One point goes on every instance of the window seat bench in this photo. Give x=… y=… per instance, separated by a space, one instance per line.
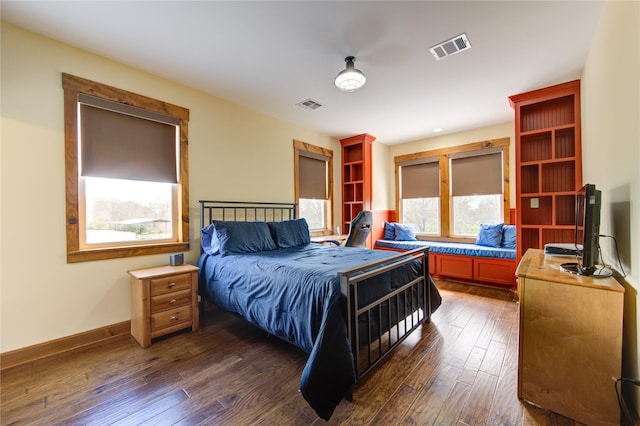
x=461 y=261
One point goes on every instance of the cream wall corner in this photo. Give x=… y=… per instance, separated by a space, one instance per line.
x=611 y=155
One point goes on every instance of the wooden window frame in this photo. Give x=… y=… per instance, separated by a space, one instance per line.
x=298 y=148
x=446 y=233
x=72 y=86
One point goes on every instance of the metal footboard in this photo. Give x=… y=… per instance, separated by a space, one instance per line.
x=389 y=320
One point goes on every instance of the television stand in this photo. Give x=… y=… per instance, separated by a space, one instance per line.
x=570 y=342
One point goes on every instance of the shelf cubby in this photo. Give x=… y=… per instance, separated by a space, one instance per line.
x=346 y=173
x=540 y=215
x=546 y=114
x=558 y=177
x=565 y=210
x=565 y=143
x=352 y=153
x=348 y=192
x=530 y=237
x=557 y=235
x=529 y=179
x=536 y=147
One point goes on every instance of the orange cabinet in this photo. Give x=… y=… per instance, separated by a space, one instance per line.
x=548 y=164
x=356 y=177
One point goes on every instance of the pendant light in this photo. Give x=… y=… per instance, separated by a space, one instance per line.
x=350 y=79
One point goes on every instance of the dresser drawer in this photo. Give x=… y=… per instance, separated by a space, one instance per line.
x=172 y=283
x=170 y=317
x=170 y=300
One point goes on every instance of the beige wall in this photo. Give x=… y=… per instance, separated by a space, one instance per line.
x=43 y=298
x=232 y=151
x=611 y=152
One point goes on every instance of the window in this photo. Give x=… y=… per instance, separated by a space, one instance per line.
x=420 y=195
x=476 y=190
x=120 y=211
x=313 y=167
x=126 y=173
x=448 y=193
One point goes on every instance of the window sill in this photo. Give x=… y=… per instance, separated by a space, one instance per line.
x=121 y=252
x=320 y=232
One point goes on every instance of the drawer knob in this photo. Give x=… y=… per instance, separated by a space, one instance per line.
x=172 y=301
x=171 y=285
x=174 y=318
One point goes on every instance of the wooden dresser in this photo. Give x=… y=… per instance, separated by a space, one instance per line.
x=570 y=347
x=164 y=299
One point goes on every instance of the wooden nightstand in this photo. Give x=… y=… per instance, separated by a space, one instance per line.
x=164 y=299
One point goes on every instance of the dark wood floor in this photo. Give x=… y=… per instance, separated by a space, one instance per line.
x=460 y=369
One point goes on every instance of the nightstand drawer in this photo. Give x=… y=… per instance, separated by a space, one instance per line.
x=170 y=318
x=170 y=300
x=172 y=283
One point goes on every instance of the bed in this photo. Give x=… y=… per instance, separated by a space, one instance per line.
x=348 y=308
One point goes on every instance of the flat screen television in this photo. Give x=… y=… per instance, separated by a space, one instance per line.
x=587 y=231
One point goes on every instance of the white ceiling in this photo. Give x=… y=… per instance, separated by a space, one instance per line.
x=271 y=55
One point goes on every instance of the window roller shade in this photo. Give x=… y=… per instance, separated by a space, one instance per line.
x=312 y=178
x=421 y=180
x=120 y=145
x=477 y=175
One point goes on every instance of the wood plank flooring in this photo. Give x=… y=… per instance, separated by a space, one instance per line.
x=459 y=370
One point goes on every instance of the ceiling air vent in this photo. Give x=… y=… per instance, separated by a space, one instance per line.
x=450 y=47
x=309 y=104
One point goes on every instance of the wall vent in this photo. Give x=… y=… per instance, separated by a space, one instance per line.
x=450 y=47
x=309 y=104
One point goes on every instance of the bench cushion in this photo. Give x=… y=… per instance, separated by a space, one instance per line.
x=450 y=248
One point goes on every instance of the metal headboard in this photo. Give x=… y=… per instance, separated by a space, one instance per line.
x=245 y=211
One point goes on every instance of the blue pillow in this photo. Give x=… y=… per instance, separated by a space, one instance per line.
x=405 y=232
x=389 y=231
x=508 y=236
x=490 y=235
x=290 y=233
x=209 y=240
x=243 y=237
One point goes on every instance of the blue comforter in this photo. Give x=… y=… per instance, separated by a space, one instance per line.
x=295 y=294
